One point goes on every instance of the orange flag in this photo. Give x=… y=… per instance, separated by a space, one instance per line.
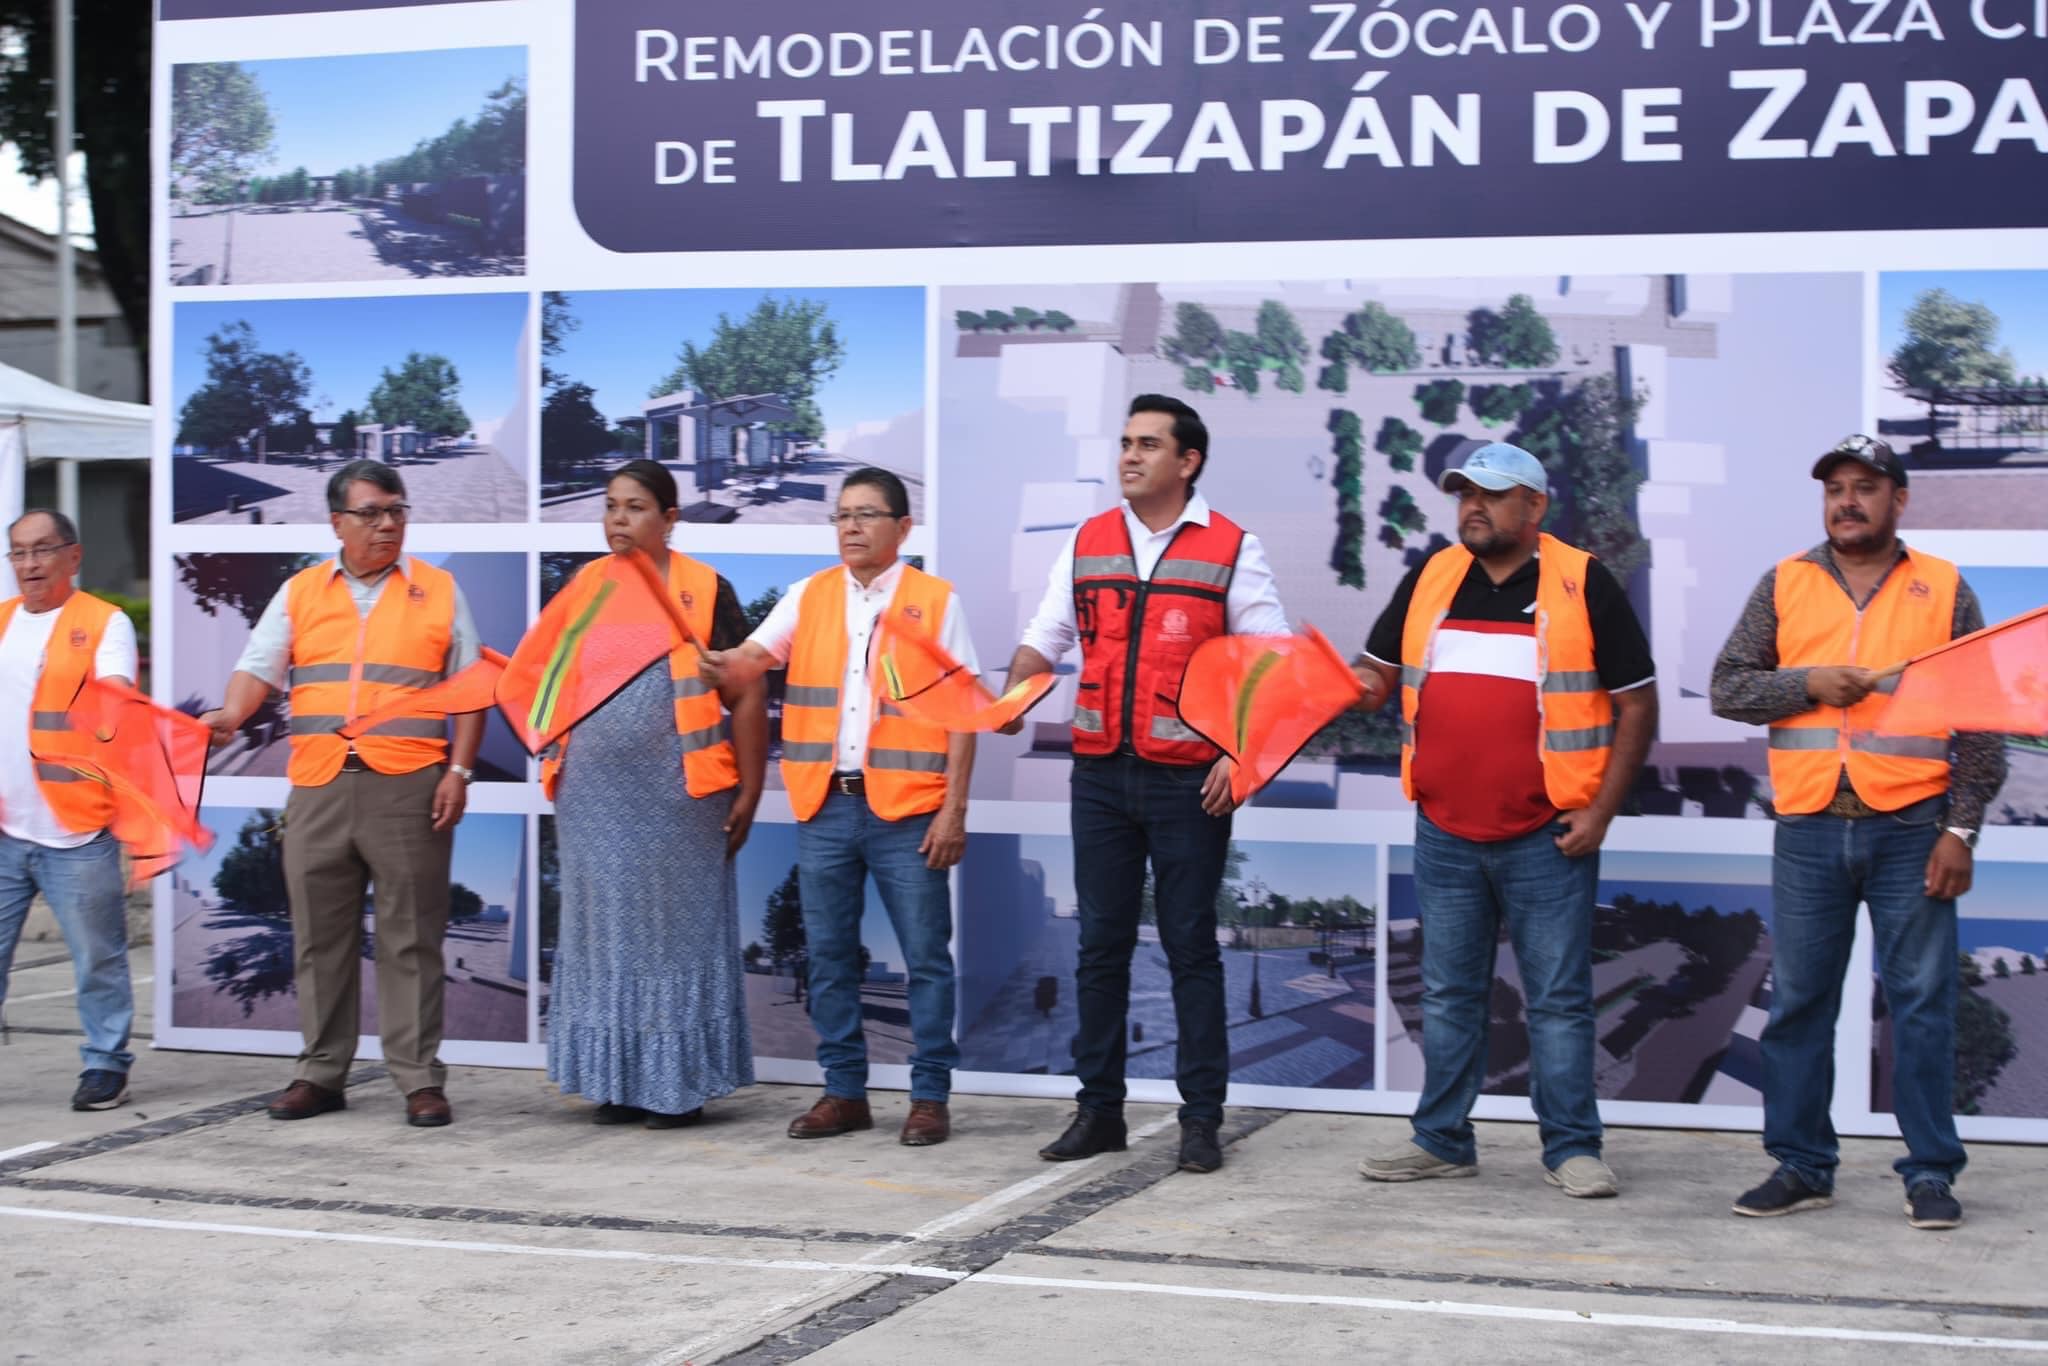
x=1259 y=699
x=153 y=759
x=1995 y=679
x=589 y=642
x=921 y=678
x=468 y=689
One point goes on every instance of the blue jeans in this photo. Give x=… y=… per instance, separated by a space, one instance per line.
x=1822 y=867
x=1125 y=810
x=837 y=850
x=87 y=895
x=1467 y=888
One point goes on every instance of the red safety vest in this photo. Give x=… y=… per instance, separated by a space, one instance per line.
x=1137 y=634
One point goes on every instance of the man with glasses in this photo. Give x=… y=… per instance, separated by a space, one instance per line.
x=349 y=636
x=53 y=820
x=875 y=793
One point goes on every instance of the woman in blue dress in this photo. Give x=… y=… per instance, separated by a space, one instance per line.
x=654 y=793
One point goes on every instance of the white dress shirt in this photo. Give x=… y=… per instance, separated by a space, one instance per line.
x=268 y=655
x=864 y=607
x=23 y=812
x=1251 y=607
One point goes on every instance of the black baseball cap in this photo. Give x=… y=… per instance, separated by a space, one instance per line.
x=1864 y=450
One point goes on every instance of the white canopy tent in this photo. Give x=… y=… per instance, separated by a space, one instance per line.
x=44 y=421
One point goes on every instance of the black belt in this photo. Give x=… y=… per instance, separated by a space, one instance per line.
x=850 y=784
x=354 y=763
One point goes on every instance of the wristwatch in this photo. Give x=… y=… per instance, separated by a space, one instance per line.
x=1963 y=833
x=468 y=775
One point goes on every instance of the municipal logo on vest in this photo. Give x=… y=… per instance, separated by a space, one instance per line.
x=1173 y=625
x=1918 y=589
x=688 y=599
x=78 y=638
x=416 y=593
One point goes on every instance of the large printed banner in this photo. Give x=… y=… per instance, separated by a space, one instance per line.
x=1676 y=249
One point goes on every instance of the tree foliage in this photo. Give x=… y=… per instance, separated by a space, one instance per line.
x=1375 y=340
x=1400 y=443
x=785 y=346
x=491 y=143
x=1582 y=439
x=463 y=903
x=1279 y=333
x=1984 y=1040
x=1440 y=400
x=572 y=430
x=221 y=128
x=244 y=584
x=247 y=389
x=250 y=878
x=1518 y=336
x=782 y=921
x=1199 y=379
x=1347 y=551
x=1949 y=343
x=421 y=393
x=1241 y=355
x=1494 y=404
x=1196 y=335
x=557 y=321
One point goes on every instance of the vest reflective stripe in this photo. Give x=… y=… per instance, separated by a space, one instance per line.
x=905 y=764
x=1576 y=730
x=1912 y=611
x=346 y=663
x=81 y=801
x=1139 y=634
x=709 y=762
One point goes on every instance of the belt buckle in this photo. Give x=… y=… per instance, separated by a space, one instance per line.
x=850 y=784
x=353 y=763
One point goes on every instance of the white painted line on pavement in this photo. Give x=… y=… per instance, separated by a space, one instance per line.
x=1584 y=1318
x=25 y=1149
x=1009 y=1195
x=507 y=1249
x=68 y=991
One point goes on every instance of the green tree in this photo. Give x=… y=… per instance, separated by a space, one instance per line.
x=1400 y=443
x=1347 y=551
x=785 y=346
x=1440 y=400
x=1196 y=333
x=463 y=904
x=1057 y=321
x=998 y=321
x=572 y=431
x=782 y=922
x=1379 y=341
x=1241 y=355
x=1600 y=476
x=1199 y=379
x=1518 y=336
x=1400 y=511
x=247 y=389
x=1027 y=318
x=1289 y=377
x=2026 y=965
x=966 y=320
x=1949 y=344
x=752 y=954
x=548 y=904
x=221 y=127
x=557 y=321
x=1494 y=404
x=250 y=878
x=757 y=610
x=421 y=393
x=1984 y=1041
x=242 y=583
x=1999 y=968
x=1334 y=377
x=1279 y=333
x=344 y=437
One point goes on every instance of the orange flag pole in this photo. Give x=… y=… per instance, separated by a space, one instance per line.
x=657 y=584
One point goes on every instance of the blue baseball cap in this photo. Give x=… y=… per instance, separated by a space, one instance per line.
x=1497 y=466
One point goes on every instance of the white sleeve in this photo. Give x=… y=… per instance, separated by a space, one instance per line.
x=462 y=641
x=777 y=634
x=117 y=655
x=954 y=638
x=1053 y=632
x=268 y=655
x=1252 y=606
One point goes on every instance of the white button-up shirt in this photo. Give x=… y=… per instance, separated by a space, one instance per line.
x=864 y=608
x=1251 y=607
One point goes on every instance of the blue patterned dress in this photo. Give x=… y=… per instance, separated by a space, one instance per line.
x=649 y=1000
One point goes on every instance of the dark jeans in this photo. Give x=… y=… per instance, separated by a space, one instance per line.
x=1823 y=866
x=1125 y=810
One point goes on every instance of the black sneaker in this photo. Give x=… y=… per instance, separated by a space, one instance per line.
x=1092 y=1132
x=608 y=1113
x=1199 y=1151
x=1784 y=1193
x=100 y=1090
x=1930 y=1205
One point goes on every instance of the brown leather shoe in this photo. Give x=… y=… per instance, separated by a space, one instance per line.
x=926 y=1124
x=832 y=1115
x=303 y=1100
x=427 y=1108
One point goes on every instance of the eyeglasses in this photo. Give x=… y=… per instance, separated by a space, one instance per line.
x=859 y=517
x=40 y=554
x=397 y=512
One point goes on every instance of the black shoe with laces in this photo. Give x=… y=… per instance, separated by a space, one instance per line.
x=1092 y=1132
x=100 y=1089
x=1784 y=1193
x=1199 y=1150
x=1930 y=1204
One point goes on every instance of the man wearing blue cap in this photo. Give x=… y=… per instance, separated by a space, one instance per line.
x=1539 y=711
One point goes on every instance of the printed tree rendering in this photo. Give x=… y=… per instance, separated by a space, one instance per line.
x=1581 y=438
x=221 y=129
x=1400 y=443
x=784 y=346
x=1950 y=343
x=251 y=877
x=1440 y=400
x=1347 y=556
x=421 y=393
x=249 y=392
x=1517 y=337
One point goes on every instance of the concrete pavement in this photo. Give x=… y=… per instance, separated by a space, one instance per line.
x=189 y=1227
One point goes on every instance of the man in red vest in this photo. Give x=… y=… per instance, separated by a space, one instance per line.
x=346 y=637
x=1139 y=587
x=53 y=819
x=1862 y=815
x=1528 y=701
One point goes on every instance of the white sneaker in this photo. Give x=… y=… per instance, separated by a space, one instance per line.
x=1583 y=1178
x=1411 y=1162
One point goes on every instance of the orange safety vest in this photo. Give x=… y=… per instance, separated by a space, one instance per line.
x=80 y=803
x=345 y=665
x=906 y=759
x=1913 y=610
x=1138 y=634
x=1577 y=732
x=709 y=763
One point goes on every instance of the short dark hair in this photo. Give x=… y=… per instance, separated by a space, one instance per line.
x=373 y=472
x=651 y=476
x=1190 y=433
x=67 y=530
x=893 y=492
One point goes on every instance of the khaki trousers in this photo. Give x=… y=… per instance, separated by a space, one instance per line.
x=367 y=830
